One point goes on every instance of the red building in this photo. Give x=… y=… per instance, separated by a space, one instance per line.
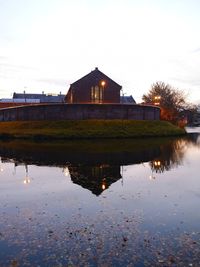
x=95 y=87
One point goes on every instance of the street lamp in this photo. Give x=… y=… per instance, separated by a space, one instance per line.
x=156 y=163
x=157 y=100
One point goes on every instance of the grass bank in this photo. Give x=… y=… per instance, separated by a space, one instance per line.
x=87 y=129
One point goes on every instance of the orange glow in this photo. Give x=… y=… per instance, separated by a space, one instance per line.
x=103 y=83
x=103 y=186
x=157 y=163
x=157 y=100
x=66 y=171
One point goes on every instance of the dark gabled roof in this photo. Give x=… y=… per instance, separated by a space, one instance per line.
x=80 y=176
x=42 y=97
x=127 y=100
x=95 y=74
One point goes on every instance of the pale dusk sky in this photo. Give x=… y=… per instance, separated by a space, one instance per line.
x=47 y=44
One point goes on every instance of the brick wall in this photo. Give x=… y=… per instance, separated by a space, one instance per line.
x=79 y=112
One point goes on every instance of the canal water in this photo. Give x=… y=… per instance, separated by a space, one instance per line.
x=101 y=202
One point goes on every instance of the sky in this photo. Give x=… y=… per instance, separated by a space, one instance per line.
x=45 y=45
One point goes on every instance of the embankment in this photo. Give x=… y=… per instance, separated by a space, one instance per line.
x=86 y=129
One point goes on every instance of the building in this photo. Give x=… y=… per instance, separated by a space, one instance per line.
x=94 y=87
x=127 y=100
x=24 y=99
x=93 y=97
x=39 y=98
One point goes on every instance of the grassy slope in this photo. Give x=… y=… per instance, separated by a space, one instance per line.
x=87 y=129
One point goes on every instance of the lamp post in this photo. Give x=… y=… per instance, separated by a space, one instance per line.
x=157 y=100
x=24 y=94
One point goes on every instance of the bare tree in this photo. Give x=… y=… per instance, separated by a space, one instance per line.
x=171 y=101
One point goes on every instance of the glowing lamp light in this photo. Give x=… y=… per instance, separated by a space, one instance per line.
x=66 y=171
x=103 y=83
x=103 y=186
x=157 y=163
x=157 y=100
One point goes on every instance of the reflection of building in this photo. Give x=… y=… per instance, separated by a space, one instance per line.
x=26 y=179
x=96 y=165
x=95 y=178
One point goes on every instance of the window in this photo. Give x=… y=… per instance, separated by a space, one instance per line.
x=71 y=97
x=96 y=94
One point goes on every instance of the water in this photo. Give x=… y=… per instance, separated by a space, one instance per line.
x=101 y=203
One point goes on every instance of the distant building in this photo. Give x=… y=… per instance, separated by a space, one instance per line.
x=127 y=100
x=23 y=99
x=39 y=98
x=94 y=87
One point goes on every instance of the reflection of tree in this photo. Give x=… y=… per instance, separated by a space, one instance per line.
x=172 y=154
x=95 y=167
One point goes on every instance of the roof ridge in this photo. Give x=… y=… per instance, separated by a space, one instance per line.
x=97 y=71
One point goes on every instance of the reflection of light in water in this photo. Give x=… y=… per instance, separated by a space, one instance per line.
x=156 y=163
x=27 y=178
x=122 y=172
x=66 y=171
x=156 y=166
x=103 y=186
x=151 y=177
x=1 y=168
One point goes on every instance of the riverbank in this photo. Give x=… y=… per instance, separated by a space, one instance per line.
x=87 y=129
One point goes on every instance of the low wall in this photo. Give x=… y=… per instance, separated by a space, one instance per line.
x=80 y=112
x=12 y=104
